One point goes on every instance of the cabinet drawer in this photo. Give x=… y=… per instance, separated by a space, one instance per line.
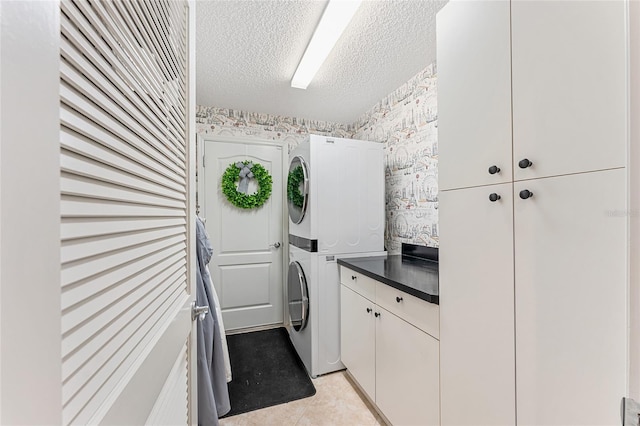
x=358 y=282
x=418 y=312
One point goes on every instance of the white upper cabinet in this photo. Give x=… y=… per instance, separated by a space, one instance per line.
x=569 y=86
x=474 y=93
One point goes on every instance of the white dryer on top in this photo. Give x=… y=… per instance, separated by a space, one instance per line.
x=335 y=194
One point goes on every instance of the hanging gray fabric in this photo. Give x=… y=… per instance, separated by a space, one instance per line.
x=213 y=394
x=245 y=175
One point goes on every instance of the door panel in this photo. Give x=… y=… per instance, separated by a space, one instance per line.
x=569 y=86
x=358 y=339
x=158 y=384
x=476 y=307
x=244 y=285
x=474 y=108
x=170 y=408
x=246 y=267
x=571 y=326
x=407 y=377
x=126 y=203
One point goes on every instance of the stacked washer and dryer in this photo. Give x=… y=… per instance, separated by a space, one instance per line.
x=336 y=211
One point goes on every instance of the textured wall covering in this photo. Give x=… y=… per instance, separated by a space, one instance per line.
x=230 y=122
x=405 y=121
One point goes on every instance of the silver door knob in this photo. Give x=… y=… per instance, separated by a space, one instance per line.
x=198 y=311
x=275 y=245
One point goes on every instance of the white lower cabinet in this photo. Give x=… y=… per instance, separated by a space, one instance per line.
x=358 y=339
x=406 y=372
x=477 y=322
x=533 y=297
x=393 y=361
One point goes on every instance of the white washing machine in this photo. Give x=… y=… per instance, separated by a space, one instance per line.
x=313 y=287
x=335 y=195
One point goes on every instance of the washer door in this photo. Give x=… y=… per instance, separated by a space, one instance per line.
x=297 y=189
x=298 y=297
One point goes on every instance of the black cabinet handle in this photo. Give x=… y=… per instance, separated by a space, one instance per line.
x=524 y=163
x=493 y=170
x=494 y=197
x=377 y=314
x=369 y=310
x=398 y=299
x=353 y=277
x=525 y=193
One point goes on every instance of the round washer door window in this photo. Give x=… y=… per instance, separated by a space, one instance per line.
x=298 y=297
x=297 y=189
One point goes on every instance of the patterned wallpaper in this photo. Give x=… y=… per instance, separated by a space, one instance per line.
x=406 y=121
x=230 y=122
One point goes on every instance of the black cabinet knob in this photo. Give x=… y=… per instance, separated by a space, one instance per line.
x=369 y=310
x=493 y=170
x=353 y=277
x=377 y=314
x=494 y=197
x=525 y=193
x=398 y=299
x=524 y=163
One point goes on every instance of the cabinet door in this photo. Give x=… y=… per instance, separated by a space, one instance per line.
x=474 y=93
x=569 y=86
x=357 y=339
x=571 y=299
x=406 y=372
x=477 y=368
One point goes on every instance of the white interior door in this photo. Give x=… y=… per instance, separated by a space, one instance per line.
x=127 y=213
x=248 y=244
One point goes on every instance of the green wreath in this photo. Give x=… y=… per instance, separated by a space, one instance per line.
x=246 y=201
x=296 y=176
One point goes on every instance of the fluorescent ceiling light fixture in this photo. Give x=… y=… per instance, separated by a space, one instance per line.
x=335 y=19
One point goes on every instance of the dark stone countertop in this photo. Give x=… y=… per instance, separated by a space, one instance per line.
x=416 y=276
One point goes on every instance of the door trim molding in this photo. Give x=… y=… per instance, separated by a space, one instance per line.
x=30 y=214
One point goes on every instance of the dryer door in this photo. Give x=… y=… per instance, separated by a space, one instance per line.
x=298 y=297
x=297 y=189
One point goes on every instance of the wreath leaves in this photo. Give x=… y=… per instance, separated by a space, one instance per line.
x=295 y=178
x=246 y=201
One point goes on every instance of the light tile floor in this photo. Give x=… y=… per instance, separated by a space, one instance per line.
x=336 y=403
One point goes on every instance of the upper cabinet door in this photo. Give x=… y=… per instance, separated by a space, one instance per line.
x=474 y=94
x=569 y=86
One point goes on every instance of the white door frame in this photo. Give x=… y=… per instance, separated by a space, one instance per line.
x=201 y=206
x=633 y=156
x=30 y=317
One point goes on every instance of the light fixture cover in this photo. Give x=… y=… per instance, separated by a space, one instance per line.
x=335 y=19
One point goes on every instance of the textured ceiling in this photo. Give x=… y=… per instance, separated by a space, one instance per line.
x=247 y=52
